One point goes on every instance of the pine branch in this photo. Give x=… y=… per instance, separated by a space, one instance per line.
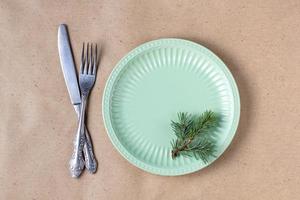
x=192 y=135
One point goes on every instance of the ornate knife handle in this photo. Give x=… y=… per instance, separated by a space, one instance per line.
x=89 y=157
x=82 y=143
x=90 y=160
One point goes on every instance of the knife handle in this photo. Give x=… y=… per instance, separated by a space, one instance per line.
x=90 y=160
x=89 y=157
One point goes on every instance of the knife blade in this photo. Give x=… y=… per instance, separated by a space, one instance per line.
x=67 y=64
x=69 y=72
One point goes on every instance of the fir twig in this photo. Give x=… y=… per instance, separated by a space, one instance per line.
x=192 y=135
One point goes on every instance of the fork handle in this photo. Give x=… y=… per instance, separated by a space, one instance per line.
x=89 y=157
x=77 y=161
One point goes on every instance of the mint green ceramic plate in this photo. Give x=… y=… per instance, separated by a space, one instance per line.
x=150 y=85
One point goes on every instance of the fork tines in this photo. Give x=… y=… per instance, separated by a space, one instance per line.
x=89 y=59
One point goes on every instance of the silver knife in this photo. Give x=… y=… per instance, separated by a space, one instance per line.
x=69 y=72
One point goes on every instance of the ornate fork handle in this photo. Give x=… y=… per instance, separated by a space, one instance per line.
x=89 y=158
x=77 y=161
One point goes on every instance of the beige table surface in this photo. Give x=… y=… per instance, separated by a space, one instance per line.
x=258 y=40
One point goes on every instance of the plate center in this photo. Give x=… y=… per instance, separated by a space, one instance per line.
x=159 y=95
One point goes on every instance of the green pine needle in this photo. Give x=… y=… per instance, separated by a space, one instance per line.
x=193 y=136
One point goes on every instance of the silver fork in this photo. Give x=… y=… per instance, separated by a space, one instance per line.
x=87 y=76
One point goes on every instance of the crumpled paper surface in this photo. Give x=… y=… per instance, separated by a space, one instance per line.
x=258 y=40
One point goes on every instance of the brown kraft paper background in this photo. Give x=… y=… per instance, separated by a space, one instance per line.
x=258 y=40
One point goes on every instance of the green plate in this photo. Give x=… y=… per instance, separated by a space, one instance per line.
x=147 y=89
